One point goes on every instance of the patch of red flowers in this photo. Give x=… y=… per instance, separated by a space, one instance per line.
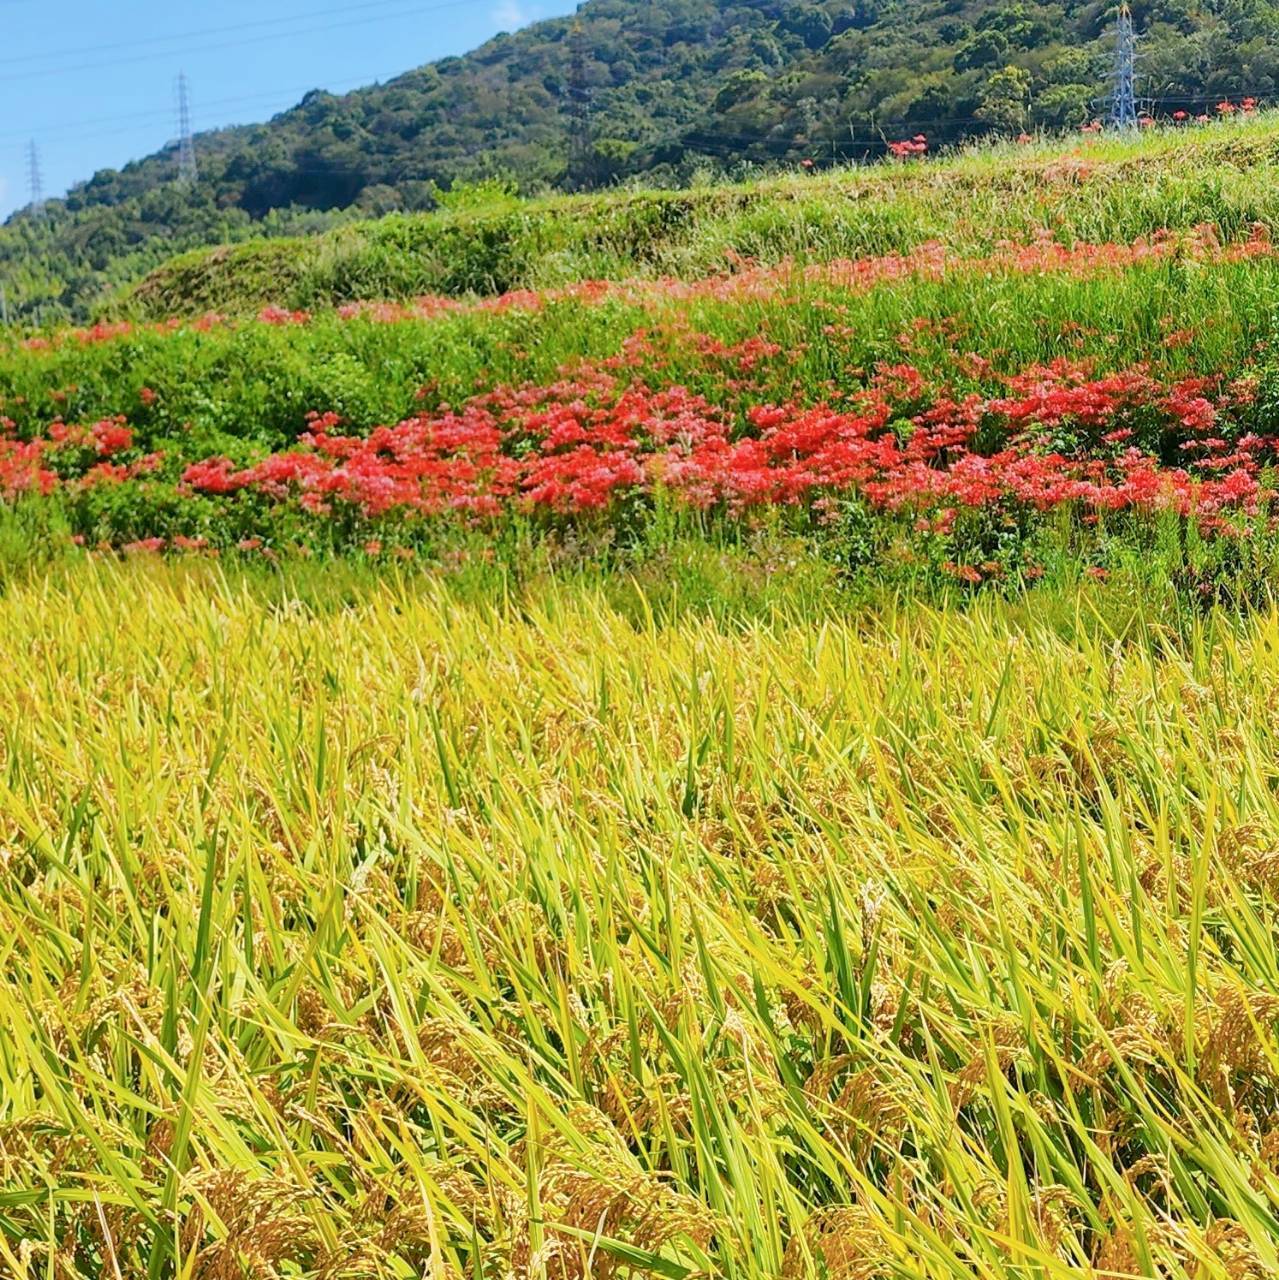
x=1059 y=434
x=747 y=280
x=916 y=146
x=583 y=445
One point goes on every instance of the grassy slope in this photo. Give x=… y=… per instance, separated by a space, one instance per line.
x=350 y=931
x=1222 y=174
x=676 y=86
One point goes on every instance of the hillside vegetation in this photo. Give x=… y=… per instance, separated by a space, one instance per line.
x=674 y=87
x=489 y=243
x=979 y=372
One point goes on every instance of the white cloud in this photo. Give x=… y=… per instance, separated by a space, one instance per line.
x=511 y=15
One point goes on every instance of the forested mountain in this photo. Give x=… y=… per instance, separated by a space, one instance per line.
x=652 y=89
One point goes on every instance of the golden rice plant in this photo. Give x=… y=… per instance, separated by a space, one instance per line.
x=409 y=937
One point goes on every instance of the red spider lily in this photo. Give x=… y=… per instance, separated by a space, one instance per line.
x=748 y=280
x=1062 y=434
x=280 y=316
x=916 y=146
x=111 y=436
x=577 y=447
x=20 y=469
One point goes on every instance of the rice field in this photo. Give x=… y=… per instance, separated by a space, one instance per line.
x=386 y=931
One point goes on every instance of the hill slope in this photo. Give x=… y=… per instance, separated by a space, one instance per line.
x=671 y=86
x=1108 y=189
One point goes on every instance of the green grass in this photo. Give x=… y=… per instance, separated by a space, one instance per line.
x=1111 y=189
x=256 y=383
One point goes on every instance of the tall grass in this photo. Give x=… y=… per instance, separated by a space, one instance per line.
x=387 y=933
x=1098 y=189
x=221 y=390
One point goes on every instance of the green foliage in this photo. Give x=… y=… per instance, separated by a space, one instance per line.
x=490 y=242
x=487 y=193
x=1005 y=100
x=679 y=88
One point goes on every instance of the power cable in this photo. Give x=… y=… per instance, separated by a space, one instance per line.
x=182 y=37
x=77 y=127
x=415 y=11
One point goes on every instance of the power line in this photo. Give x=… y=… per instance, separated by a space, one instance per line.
x=78 y=127
x=289 y=33
x=736 y=145
x=60 y=55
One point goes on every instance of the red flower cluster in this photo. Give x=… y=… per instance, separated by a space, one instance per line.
x=21 y=466
x=581 y=445
x=84 y=451
x=916 y=146
x=1063 y=433
x=280 y=317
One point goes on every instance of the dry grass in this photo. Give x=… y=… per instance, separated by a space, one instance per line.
x=420 y=939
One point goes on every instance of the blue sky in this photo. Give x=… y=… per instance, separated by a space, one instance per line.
x=94 y=81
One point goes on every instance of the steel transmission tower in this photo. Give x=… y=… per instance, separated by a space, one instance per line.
x=579 y=110
x=188 y=169
x=35 y=181
x=1123 y=97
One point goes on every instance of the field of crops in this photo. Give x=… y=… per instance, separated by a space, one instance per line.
x=758 y=764
x=363 y=930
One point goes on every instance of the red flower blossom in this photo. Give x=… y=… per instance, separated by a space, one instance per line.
x=916 y=146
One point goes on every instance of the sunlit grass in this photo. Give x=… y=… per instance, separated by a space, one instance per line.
x=1084 y=188
x=393 y=935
